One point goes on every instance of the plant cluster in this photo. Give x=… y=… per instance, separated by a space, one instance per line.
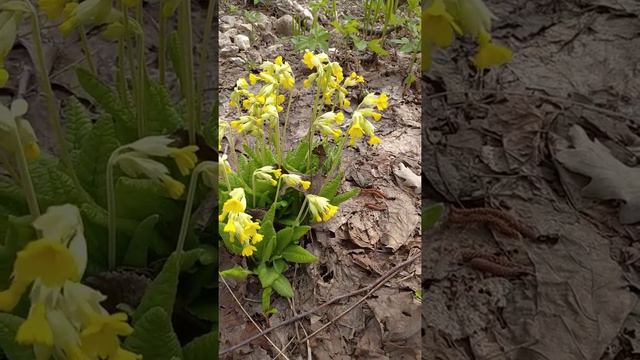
x=120 y=193
x=443 y=19
x=373 y=31
x=267 y=198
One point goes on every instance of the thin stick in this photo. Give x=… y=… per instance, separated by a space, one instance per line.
x=249 y=316
x=303 y=315
x=376 y=287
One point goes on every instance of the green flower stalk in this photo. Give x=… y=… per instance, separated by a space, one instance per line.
x=209 y=171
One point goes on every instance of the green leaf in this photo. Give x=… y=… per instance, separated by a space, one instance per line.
x=298 y=254
x=54 y=186
x=339 y=199
x=360 y=44
x=9 y=325
x=153 y=336
x=330 y=189
x=299 y=231
x=430 y=215
x=296 y=158
x=77 y=124
x=266 y=274
x=140 y=198
x=160 y=114
x=138 y=249
x=266 y=246
x=175 y=53
x=376 y=46
x=93 y=157
x=236 y=272
x=204 y=347
x=98 y=216
x=162 y=290
x=280 y=265
x=283 y=238
x=123 y=117
x=266 y=299
x=283 y=287
x=12 y=197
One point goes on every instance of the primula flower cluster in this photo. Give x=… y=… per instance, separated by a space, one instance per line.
x=65 y=318
x=443 y=19
x=239 y=224
x=139 y=162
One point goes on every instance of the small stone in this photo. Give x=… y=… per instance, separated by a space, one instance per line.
x=238 y=61
x=229 y=51
x=242 y=42
x=231 y=33
x=284 y=25
x=263 y=23
x=244 y=29
x=229 y=19
x=273 y=50
x=223 y=40
x=225 y=27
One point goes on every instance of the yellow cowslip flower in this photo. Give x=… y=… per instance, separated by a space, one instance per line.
x=336 y=70
x=240 y=226
x=473 y=16
x=326 y=124
x=222 y=130
x=353 y=80
x=174 y=187
x=35 y=329
x=11 y=120
x=366 y=112
x=52 y=8
x=359 y=127
x=247 y=124
x=320 y=208
x=115 y=28
x=270 y=115
x=242 y=84
x=253 y=78
x=185 y=158
x=268 y=173
x=315 y=61
x=87 y=12
x=236 y=204
x=490 y=54
x=224 y=162
x=100 y=337
x=309 y=80
x=438 y=25
x=379 y=101
x=294 y=180
x=134 y=164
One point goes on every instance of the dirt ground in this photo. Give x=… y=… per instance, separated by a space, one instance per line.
x=560 y=279
x=359 y=244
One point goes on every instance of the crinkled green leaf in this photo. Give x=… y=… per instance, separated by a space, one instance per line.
x=160 y=114
x=77 y=124
x=282 y=286
x=138 y=249
x=298 y=254
x=268 y=243
x=93 y=157
x=375 y=45
x=339 y=199
x=140 y=198
x=204 y=347
x=266 y=274
x=153 y=336
x=330 y=189
x=236 y=272
x=9 y=325
x=162 y=290
x=283 y=239
x=53 y=186
x=109 y=101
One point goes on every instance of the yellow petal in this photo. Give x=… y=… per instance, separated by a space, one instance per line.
x=35 y=329
x=491 y=55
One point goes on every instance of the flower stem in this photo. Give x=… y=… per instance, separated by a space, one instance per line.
x=52 y=107
x=275 y=200
x=310 y=133
x=185 y=31
x=253 y=188
x=122 y=79
x=141 y=73
x=87 y=51
x=286 y=121
x=300 y=216
x=111 y=208
x=186 y=215
x=25 y=176
x=162 y=49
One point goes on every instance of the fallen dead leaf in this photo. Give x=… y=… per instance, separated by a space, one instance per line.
x=610 y=178
x=407 y=178
x=402 y=222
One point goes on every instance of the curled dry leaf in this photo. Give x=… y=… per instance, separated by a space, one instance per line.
x=610 y=178
x=407 y=178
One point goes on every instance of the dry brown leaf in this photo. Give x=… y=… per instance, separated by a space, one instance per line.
x=610 y=178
